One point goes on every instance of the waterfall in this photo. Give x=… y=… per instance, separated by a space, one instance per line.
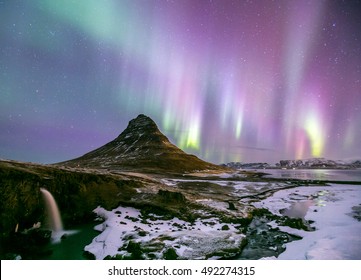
x=52 y=211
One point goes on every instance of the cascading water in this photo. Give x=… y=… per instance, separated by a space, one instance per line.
x=52 y=211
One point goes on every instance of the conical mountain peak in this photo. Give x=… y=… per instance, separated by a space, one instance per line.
x=141 y=146
x=141 y=132
x=142 y=122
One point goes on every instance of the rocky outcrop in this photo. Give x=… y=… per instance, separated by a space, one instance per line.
x=172 y=196
x=77 y=193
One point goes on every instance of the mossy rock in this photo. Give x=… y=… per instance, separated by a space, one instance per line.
x=225 y=227
x=259 y=212
x=142 y=233
x=170 y=254
x=136 y=250
x=296 y=223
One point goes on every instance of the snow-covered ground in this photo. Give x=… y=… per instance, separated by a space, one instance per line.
x=199 y=240
x=333 y=209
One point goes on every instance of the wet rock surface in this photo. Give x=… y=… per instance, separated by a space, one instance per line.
x=356 y=212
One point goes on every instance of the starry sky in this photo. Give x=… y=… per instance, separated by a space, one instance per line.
x=226 y=80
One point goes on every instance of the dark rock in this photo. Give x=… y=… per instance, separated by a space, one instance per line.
x=225 y=227
x=171 y=196
x=136 y=250
x=356 y=212
x=89 y=256
x=231 y=206
x=142 y=233
x=133 y=219
x=296 y=223
x=170 y=254
x=30 y=244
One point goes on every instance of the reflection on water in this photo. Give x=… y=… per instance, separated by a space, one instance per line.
x=315 y=174
x=298 y=209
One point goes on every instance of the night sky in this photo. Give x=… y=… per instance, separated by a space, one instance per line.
x=225 y=80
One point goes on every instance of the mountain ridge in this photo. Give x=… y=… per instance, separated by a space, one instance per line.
x=312 y=163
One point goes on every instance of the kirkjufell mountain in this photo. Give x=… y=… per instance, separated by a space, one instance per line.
x=141 y=147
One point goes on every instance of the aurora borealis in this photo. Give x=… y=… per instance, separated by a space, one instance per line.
x=225 y=80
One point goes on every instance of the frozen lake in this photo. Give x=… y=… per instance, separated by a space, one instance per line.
x=315 y=174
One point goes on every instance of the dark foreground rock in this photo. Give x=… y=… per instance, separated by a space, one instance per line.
x=29 y=244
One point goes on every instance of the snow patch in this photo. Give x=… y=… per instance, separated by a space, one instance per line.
x=189 y=240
